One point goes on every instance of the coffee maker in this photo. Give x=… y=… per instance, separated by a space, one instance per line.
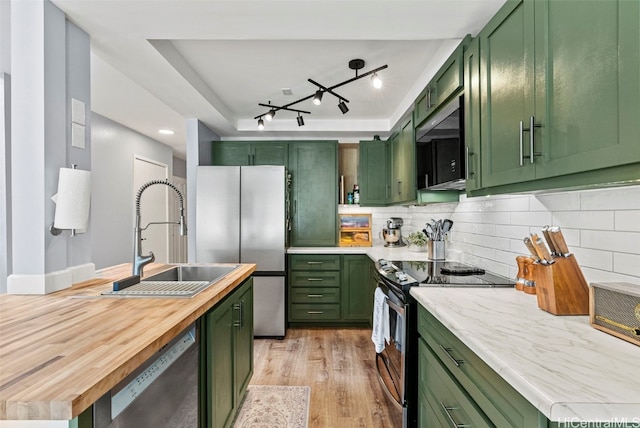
x=392 y=234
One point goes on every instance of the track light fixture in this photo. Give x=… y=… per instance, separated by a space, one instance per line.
x=343 y=107
x=316 y=97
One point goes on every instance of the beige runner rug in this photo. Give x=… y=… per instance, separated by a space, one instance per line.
x=267 y=406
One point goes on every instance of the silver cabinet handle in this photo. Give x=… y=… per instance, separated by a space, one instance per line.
x=467 y=172
x=315 y=295
x=448 y=352
x=454 y=424
x=315 y=263
x=521 y=143
x=238 y=307
x=315 y=312
x=532 y=126
x=315 y=279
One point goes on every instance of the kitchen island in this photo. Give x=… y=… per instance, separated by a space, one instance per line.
x=569 y=371
x=61 y=352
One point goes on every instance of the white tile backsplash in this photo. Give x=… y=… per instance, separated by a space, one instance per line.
x=601 y=227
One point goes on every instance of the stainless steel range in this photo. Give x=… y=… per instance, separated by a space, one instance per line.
x=395 y=329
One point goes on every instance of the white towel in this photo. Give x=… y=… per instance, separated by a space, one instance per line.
x=380 y=331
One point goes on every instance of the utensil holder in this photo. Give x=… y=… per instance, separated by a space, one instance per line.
x=561 y=288
x=435 y=250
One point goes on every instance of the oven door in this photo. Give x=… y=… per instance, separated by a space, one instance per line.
x=390 y=363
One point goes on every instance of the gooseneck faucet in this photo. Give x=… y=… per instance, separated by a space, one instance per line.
x=139 y=261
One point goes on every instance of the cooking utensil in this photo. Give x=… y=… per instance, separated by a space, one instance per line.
x=531 y=248
x=541 y=249
x=446 y=225
x=558 y=238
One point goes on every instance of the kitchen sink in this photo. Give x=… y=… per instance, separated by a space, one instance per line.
x=179 y=281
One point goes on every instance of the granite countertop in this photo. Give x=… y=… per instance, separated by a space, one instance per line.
x=562 y=365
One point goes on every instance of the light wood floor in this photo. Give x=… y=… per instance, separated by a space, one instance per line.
x=338 y=365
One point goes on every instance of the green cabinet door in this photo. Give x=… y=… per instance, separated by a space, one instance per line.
x=357 y=293
x=221 y=392
x=588 y=82
x=231 y=153
x=472 y=116
x=373 y=172
x=228 y=355
x=403 y=165
x=314 y=170
x=243 y=153
x=506 y=85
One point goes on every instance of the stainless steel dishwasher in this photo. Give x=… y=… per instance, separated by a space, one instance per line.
x=163 y=392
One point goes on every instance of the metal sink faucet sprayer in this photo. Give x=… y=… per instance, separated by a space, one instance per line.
x=139 y=261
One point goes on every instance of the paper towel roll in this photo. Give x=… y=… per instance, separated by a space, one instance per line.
x=73 y=199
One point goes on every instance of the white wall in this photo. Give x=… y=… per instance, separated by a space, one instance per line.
x=112 y=200
x=602 y=228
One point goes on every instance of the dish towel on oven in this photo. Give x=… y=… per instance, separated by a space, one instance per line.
x=380 y=320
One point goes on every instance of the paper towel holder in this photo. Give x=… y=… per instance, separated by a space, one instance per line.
x=82 y=199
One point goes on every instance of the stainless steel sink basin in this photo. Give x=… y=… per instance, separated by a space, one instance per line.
x=180 y=281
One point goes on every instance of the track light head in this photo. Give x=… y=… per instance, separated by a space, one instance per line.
x=376 y=81
x=270 y=114
x=343 y=107
x=260 y=124
x=317 y=98
x=300 y=120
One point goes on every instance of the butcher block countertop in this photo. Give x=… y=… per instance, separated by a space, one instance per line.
x=60 y=352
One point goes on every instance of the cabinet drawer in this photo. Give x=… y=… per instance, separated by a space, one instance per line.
x=498 y=400
x=310 y=312
x=314 y=262
x=449 y=403
x=314 y=279
x=315 y=295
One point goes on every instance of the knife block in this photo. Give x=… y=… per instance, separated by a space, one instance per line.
x=561 y=288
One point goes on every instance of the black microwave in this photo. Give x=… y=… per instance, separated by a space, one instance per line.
x=440 y=160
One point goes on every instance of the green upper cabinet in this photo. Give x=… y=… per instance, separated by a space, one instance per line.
x=314 y=169
x=559 y=97
x=506 y=84
x=403 y=166
x=472 y=115
x=373 y=173
x=443 y=85
x=243 y=153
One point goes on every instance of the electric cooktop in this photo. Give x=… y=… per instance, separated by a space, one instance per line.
x=438 y=274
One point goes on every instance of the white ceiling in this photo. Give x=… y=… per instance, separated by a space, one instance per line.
x=157 y=62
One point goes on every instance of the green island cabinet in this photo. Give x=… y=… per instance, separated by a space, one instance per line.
x=314 y=193
x=330 y=289
x=559 y=97
x=244 y=153
x=227 y=352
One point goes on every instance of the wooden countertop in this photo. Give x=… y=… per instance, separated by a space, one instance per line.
x=60 y=352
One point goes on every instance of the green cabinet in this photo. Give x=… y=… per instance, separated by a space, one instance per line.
x=243 y=153
x=373 y=172
x=558 y=97
x=447 y=81
x=314 y=169
x=403 y=166
x=228 y=353
x=456 y=383
x=472 y=116
x=330 y=289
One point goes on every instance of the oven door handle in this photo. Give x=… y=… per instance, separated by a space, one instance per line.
x=395 y=307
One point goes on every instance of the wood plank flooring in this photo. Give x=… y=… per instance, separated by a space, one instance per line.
x=338 y=365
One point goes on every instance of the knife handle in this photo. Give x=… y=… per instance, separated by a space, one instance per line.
x=531 y=248
x=548 y=238
x=558 y=238
x=544 y=251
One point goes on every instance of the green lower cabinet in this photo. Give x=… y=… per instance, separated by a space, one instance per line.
x=330 y=289
x=228 y=351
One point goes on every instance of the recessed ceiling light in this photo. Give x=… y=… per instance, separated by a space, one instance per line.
x=286 y=91
x=166 y=131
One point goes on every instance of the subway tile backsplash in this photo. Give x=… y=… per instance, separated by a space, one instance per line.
x=601 y=227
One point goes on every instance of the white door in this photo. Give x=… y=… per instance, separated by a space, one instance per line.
x=153 y=207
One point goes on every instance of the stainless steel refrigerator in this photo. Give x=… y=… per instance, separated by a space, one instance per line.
x=241 y=217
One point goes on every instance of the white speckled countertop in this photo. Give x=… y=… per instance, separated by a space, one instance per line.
x=563 y=366
x=409 y=253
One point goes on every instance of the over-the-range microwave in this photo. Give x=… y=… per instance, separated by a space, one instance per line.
x=440 y=160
